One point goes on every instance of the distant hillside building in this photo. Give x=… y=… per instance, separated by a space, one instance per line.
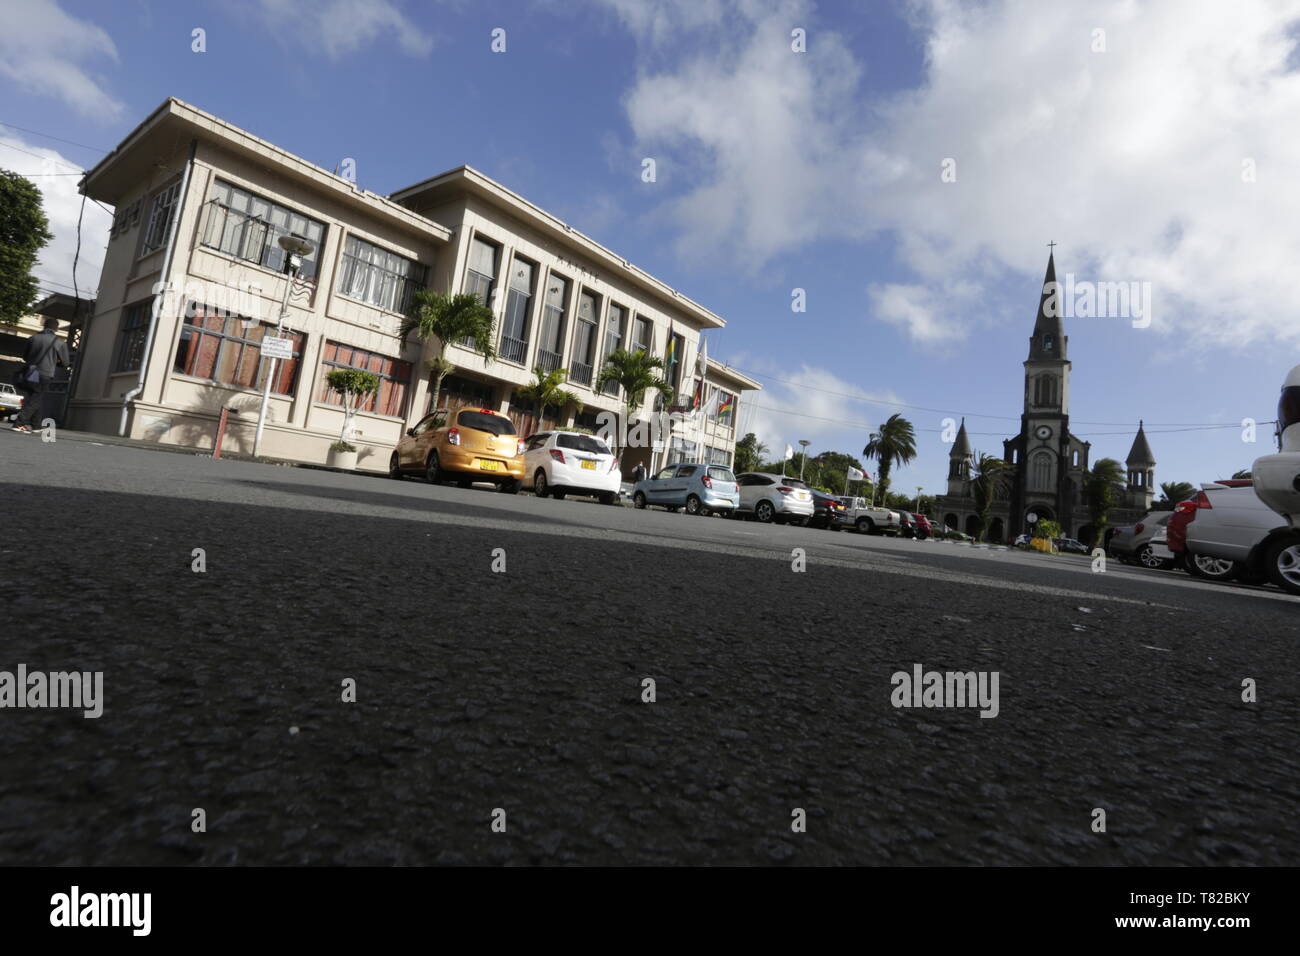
x=1049 y=464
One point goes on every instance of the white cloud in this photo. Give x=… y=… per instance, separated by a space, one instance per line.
x=340 y=27
x=44 y=51
x=1130 y=158
x=62 y=204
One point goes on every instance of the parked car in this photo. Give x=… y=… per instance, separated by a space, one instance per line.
x=560 y=462
x=465 y=445
x=1130 y=542
x=771 y=497
x=828 y=511
x=1277 y=484
x=869 y=519
x=1229 y=524
x=700 y=489
x=11 y=401
x=1022 y=541
x=924 y=528
x=1071 y=546
x=952 y=534
x=906 y=525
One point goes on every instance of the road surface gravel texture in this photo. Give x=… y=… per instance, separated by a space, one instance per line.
x=522 y=690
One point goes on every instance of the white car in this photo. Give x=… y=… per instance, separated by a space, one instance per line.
x=560 y=462
x=11 y=401
x=1230 y=523
x=1277 y=484
x=775 y=498
x=867 y=518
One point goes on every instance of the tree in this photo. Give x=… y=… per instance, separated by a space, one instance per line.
x=896 y=442
x=1173 y=492
x=1244 y=473
x=355 y=386
x=989 y=474
x=833 y=467
x=636 y=372
x=24 y=230
x=1102 y=487
x=545 y=391
x=448 y=318
x=749 y=454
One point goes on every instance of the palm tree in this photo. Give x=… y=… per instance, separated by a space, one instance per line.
x=895 y=442
x=462 y=318
x=988 y=478
x=546 y=391
x=1244 y=473
x=636 y=372
x=1102 y=488
x=1175 y=491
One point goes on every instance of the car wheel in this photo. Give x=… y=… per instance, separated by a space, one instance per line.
x=638 y=501
x=432 y=473
x=394 y=466
x=866 y=525
x=1282 y=561
x=1211 y=569
x=764 y=512
x=1149 y=559
x=540 y=488
x=693 y=506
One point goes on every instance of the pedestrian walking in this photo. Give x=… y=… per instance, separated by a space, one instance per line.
x=45 y=352
x=638 y=473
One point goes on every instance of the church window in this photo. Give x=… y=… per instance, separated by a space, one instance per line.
x=1042 y=472
x=1075 y=459
x=1047 y=342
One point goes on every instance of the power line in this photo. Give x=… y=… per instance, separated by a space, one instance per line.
x=35 y=132
x=48 y=159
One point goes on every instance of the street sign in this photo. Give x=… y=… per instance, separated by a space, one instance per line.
x=274 y=348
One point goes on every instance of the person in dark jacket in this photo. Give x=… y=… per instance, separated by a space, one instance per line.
x=45 y=352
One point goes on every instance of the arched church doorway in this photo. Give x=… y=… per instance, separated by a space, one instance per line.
x=950 y=521
x=972 y=525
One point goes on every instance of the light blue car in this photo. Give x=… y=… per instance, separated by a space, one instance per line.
x=700 y=489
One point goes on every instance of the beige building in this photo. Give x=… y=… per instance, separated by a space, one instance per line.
x=193 y=278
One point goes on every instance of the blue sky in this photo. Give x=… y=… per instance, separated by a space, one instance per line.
x=1161 y=151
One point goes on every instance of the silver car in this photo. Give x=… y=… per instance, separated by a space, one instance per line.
x=700 y=489
x=11 y=401
x=1132 y=543
x=1229 y=522
x=778 y=498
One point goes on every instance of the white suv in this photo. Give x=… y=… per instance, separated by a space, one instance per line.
x=559 y=462
x=771 y=497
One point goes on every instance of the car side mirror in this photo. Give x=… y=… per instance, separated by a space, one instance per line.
x=410 y=432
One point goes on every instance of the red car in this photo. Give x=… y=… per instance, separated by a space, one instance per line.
x=1176 y=534
x=923 y=527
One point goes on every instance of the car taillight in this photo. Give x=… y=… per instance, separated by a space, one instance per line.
x=1185 y=507
x=1138 y=528
x=557 y=455
x=453 y=436
x=706 y=481
x=613 y=465
x=1203 y=500
x=519 y=446
x=785 y=491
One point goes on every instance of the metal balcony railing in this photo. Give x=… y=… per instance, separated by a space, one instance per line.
x=513 y=350
x=548 y=361
x=581 y=373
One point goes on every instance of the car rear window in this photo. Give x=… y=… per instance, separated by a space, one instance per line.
x=585 y=443
x=721 y=474
x=497 y=424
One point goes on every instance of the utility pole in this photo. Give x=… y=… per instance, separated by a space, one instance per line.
x=296 y=249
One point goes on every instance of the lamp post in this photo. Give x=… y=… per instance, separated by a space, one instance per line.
x=803 y=456
x=919 y=489
x=296 y=249
x=875 y=437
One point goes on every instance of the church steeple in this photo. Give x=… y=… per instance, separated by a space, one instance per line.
x=1141 y=471
x=959 y=460
x=1048 y=342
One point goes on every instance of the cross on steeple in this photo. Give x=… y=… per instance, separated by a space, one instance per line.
x=1051 y=246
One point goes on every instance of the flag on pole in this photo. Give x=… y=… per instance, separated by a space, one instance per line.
x=855 y=475
x=789 y=452
x=725 y=403
x=701 y=369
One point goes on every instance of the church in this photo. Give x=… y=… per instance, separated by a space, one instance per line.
x=1048 y=463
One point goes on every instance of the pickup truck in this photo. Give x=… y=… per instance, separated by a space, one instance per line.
x=862 y=516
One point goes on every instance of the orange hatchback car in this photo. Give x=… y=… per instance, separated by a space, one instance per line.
x=465 y=445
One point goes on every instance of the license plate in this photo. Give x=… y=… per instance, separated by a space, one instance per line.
x=590 y=465
x=486 y=465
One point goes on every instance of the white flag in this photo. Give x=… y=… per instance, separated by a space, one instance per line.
x=789 y=452
x=855 y=475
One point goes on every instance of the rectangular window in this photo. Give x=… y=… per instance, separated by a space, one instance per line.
x=130 y=340
x=379 y=277
x=551 y=348
x=249 y=227
x=615 y=331
x=645 y=335
x=228 y=349
x=482 y=276
x=683 y=450
x=160 y=218
x=676 y=348
x=581 y=368
x=514 y=331
x=394 y=378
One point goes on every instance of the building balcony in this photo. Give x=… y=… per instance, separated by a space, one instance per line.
x=581 y=373
x=513 y=350
x=548 y=361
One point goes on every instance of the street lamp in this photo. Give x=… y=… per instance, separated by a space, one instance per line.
x=803 y=455
x=919 y=489
x=296 y=249
x=875 y=437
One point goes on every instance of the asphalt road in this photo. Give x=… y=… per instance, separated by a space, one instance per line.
x=522 y=690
